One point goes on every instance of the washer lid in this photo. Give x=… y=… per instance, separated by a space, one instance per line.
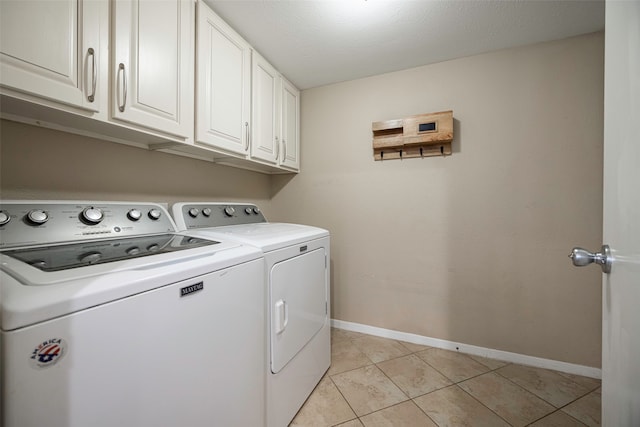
x=29 y=295
x=67 y=256
x=267 y=236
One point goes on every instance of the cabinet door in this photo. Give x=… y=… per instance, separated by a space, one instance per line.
x=265 y=111
x=152 y=67
x=52 y=49
x=223 y=84
x=290 y=126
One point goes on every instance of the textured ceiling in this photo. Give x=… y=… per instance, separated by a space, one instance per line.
x=318 y=42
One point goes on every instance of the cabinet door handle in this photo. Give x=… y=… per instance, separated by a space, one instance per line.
x=284 y=150
x=124 y=87
x=277 y=148
x=246 y=144
x=94 y=74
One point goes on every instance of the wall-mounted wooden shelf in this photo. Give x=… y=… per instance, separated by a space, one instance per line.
x=423 y=135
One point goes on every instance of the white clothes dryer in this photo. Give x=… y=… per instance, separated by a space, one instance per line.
x=297 y=281
x=109 y=317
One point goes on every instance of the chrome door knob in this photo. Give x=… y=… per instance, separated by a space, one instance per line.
x=581 y=257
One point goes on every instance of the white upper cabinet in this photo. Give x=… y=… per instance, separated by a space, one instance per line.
x=152 y=68
x=55 y=49
x=223 y=85
x=130 y=71
x=290 y=126
x=265 y=135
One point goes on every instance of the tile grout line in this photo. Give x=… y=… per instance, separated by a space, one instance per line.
x=456 y=383
x=526 y=391
x=543 y=399
x=345 y=399
x=477 y=400
x=573 y=401
x=453 y=383
x=351 y=340
x=409 y=398
x=557 y=410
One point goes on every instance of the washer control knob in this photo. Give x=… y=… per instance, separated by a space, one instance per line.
x=229 y=211
x=4 y=218
x=256 y=210
x=133 y=251
x=155 y=214
x=206 y=212
x=37 y=216
x=91 y=257
x=248 y=211
x=38 y=263
x=92 y=215
x=193 y=212
x=134 y=214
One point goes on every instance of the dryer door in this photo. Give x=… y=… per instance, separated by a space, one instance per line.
x=298 y=304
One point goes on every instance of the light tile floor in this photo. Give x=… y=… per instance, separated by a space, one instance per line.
x=382 y=382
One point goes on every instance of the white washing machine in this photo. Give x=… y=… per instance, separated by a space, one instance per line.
x=297 y=281
x=111 y=318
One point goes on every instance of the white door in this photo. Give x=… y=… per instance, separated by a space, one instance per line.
x=265 y=110
x=223 y=84
x=290 y=126
x=152 y=70
x=621 y=288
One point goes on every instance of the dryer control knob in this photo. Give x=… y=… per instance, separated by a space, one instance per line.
x=248 y=211
x=256 y=210
x=92 y=215
x=134 y=214
x=206 y=212
x=193 y=212
x=37 y=216
x=229 y=211
x=4 y=218
x=155 y=214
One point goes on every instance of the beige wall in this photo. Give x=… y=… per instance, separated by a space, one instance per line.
x=38 y=163
x=473 y=247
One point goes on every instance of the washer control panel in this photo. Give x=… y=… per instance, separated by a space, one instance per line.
x=204 y=215
x=25 y=223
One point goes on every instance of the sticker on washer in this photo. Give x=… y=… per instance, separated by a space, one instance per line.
x=48 y=353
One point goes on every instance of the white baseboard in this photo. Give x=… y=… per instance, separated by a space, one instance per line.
x=523 y=359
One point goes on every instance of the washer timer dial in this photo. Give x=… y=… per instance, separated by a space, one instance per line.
x=92 y=215
x=37 y=216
